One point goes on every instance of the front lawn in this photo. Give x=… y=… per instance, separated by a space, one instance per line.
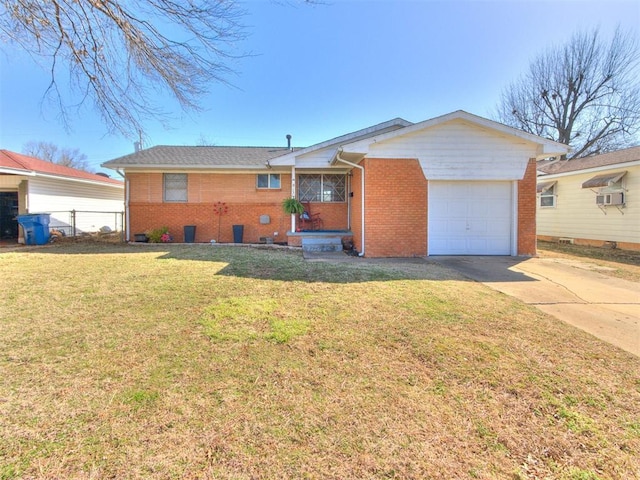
x=199 y=361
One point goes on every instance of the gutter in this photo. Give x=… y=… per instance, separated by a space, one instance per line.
x=15 y=171
x=340 y=159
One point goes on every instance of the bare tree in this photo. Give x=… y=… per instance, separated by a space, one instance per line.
x=120 y=54
x=52 y=153
x=585 y=94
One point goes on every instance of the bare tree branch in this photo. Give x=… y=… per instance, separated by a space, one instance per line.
x=121 y=55
x=585 y=94
x=50 y=152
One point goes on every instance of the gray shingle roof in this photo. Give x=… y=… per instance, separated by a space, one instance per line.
x=199 y=157
x=620 y=156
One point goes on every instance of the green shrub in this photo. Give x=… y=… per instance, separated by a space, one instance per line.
x=155 y=236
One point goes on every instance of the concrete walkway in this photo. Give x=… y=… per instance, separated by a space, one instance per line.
x=579 y=293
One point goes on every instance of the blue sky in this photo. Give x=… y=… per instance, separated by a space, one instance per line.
x=320 y=71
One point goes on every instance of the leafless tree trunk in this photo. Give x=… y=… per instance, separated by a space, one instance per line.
x=585 y=94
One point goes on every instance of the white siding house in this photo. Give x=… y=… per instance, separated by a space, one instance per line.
x=76 y=200
x=591 y=201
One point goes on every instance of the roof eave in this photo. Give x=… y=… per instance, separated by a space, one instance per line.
x=545 y=148
x=164 y=166
x=80 y=180
x=17 y=171
x=289 y=159
x=601 y=168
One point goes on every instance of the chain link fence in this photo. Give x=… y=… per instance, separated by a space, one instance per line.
x=76 y=223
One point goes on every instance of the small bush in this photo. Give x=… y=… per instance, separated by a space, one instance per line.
x=158 y=235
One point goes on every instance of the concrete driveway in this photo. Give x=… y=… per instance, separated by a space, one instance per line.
x=579 y=293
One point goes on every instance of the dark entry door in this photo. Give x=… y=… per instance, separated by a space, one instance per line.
x=8 y=213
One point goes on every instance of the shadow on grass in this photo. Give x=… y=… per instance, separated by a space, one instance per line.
x=284 y=264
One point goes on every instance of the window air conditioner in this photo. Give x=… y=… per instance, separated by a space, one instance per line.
x=610 y=199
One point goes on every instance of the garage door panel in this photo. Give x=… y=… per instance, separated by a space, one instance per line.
x=470 y=218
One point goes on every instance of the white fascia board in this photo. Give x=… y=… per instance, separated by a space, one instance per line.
x=15 y=171
x=549 y=148
x=546 y=148
x=79 y=180
x=289 y=159
x=604 y=168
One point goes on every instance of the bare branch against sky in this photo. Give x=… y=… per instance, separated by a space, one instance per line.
x=121 y=56
x=585 y=93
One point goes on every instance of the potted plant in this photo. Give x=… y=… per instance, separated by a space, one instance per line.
x=292 y=206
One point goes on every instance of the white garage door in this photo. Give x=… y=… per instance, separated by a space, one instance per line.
x=469 y=218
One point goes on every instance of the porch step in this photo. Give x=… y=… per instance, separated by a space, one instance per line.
x=322 y=244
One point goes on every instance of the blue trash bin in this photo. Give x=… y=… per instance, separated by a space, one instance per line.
x=36 y=228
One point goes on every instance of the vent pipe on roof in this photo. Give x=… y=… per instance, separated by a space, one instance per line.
x=138 y=145
x=288 y=142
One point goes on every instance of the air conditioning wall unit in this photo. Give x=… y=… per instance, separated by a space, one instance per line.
x=610 y=199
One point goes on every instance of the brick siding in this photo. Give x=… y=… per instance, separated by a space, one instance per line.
x=527 y=211
x=245 y=204
x=396 y=208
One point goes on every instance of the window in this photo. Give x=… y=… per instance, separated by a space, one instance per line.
x=547 y=193
x=322 y=188
x=175 y=187
x=268 y=180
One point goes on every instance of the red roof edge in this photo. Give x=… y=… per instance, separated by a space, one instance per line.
x=29 y=164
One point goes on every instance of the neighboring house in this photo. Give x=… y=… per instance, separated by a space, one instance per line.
x=31 y=185
x=592 y=200
x=456 y=184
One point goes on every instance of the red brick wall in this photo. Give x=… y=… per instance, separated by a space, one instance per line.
x=245 y=204
x=396 y=208
x=208 y=188
x=148 y=216
x=527 y=211
x=334 y=215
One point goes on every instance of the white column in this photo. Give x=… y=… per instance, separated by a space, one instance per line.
x=293 y=195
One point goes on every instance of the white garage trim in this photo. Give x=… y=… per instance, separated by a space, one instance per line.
x=472 y=218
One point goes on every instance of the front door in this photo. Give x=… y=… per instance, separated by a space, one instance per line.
x=8 y=213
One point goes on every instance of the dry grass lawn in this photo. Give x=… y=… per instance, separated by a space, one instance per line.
x=625 y=263
x=198 y=361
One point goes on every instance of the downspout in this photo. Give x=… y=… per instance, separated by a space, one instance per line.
x=127 y=226
x=340 y=159
x=126 y=210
